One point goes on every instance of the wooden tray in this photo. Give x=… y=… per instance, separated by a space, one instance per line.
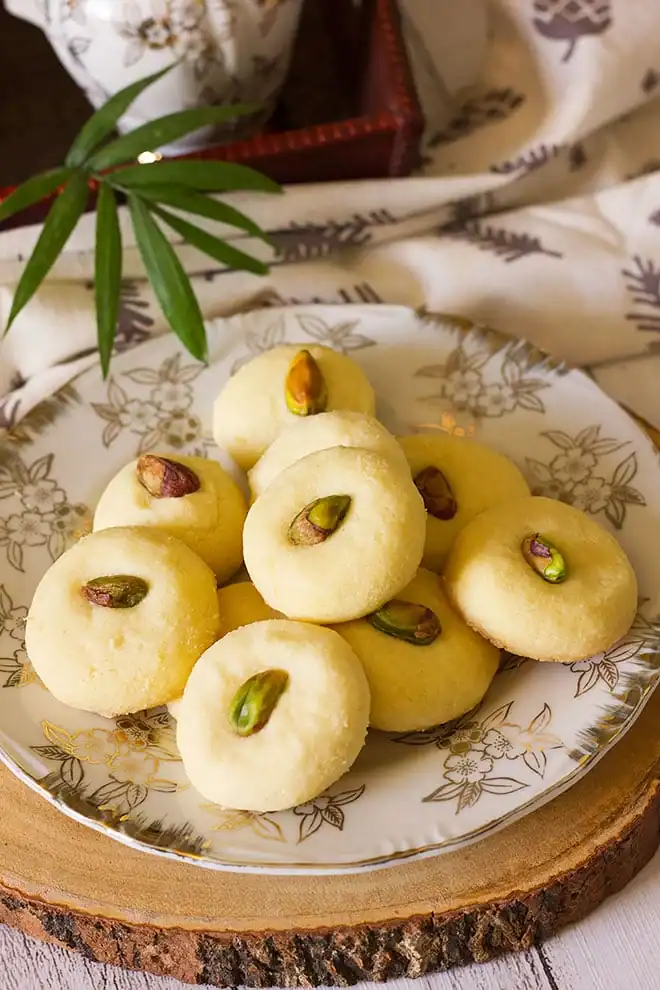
x=68 y=884
x=365 y=60
x=349 y=109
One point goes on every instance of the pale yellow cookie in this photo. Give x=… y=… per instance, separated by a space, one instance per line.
x=477 y=476
x=507 y=599
x=314 y=728
x=209 y=519
x=373 y=551
x=341 y=428
x=129 y=640
x=251 y=410
x=424 y=665
x=240 y=604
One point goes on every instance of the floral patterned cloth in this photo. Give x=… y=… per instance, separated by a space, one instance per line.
x=536 y=209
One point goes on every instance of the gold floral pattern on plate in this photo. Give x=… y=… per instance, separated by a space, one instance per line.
x=641 y=644
x=581 y=475
x=327 y=809
x=159 y=411
x=13 y=658
x=263 y=826
x=341 y=336
x=464 y=383
x=42 y=515
x=19 y=670
x=477 y=749
x=131 y=754
x=541 y=725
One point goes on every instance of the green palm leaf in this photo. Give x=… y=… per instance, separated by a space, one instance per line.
x=107 y=276
x=181 y=185
x=62 y=218
x=156 y=133
x=211 y=245
x=103 y=122
x=169 y=281
x=191 y=201
x=32 y=191
x=211 y=176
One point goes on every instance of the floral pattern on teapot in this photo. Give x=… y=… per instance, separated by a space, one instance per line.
x=221 y=47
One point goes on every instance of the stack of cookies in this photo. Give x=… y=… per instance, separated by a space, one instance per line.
x=386 y=576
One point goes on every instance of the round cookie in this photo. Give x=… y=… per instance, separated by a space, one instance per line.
x=341 y=428
x=316 y=728
x=206 y=510
x=240 y=604
x=373 y=551
x=502 y=596
x=251 y=409
x=478 y=477
x=417 y=686
x=118 y=646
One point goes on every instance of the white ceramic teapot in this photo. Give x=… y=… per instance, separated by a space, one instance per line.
x=229 y=50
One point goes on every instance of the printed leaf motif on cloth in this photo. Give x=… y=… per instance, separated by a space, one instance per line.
x=571 y=20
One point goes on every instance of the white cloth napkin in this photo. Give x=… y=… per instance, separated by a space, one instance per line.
x=536 y=208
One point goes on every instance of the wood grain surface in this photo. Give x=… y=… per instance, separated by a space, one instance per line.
x=68 y=884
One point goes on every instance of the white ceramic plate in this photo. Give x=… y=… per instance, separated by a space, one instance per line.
x=539 y=728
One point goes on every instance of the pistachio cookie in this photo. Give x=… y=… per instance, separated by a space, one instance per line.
x=341 y=428
x=118 y=621
x=458 y=479
x=278 y=387
x=272 y=715
x=240 y=604
x=424 y=665
x=335 y=536
x=191 y=498
x=542 y=580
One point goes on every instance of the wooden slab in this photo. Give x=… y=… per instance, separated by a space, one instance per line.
x=66 y=883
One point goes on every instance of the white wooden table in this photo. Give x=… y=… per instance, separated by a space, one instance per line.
x=616 y=948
